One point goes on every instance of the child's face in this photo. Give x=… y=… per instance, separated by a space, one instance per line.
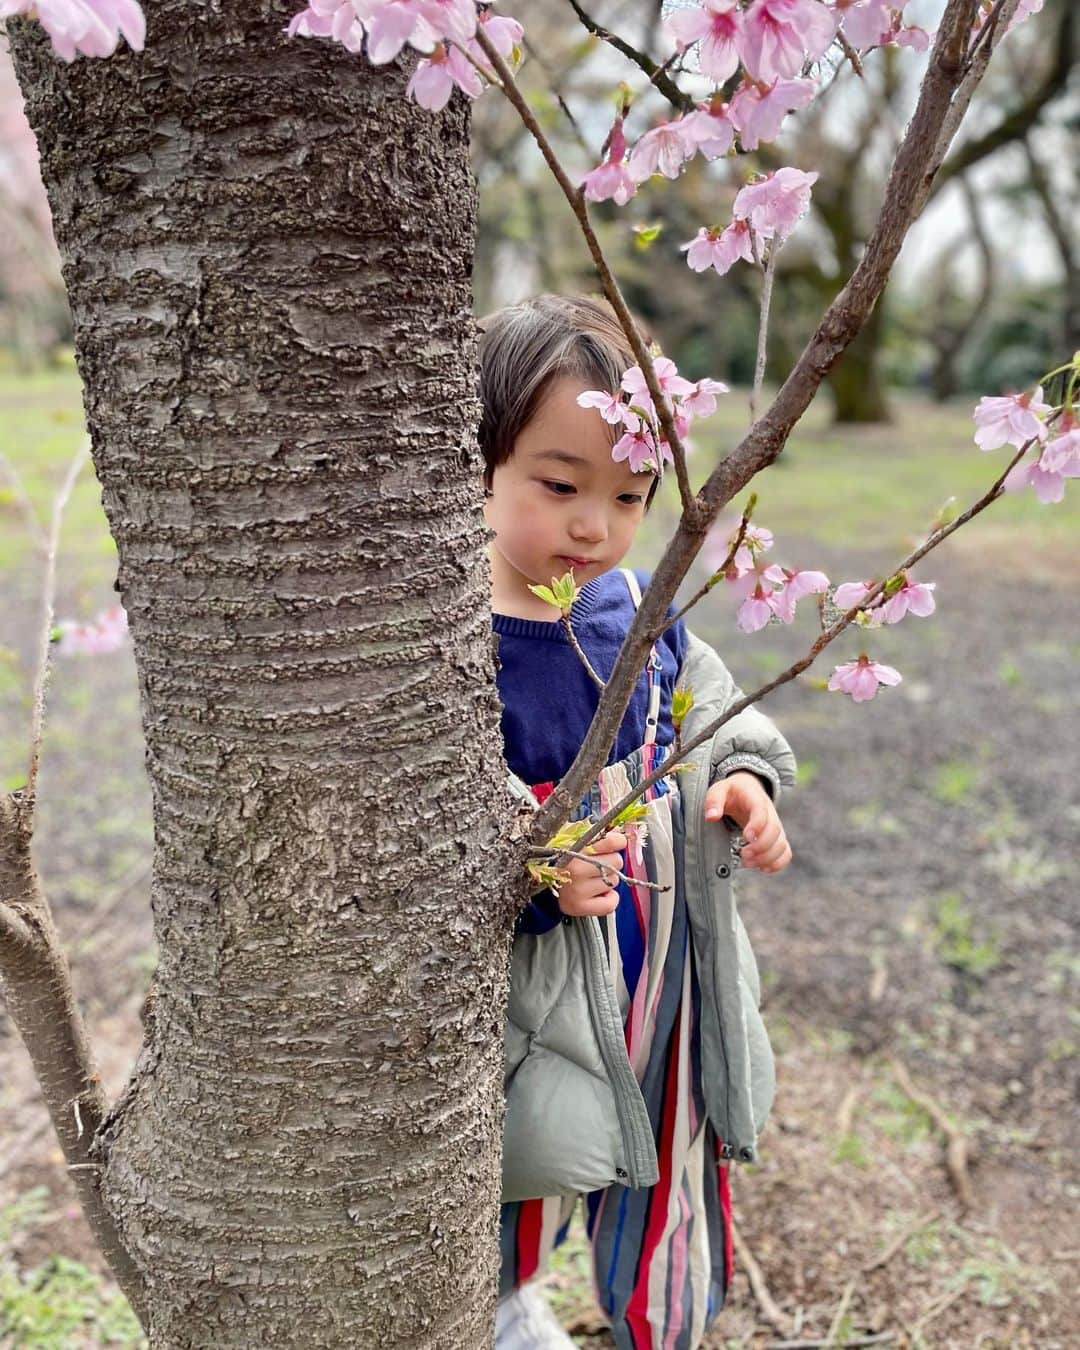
x=560 y=501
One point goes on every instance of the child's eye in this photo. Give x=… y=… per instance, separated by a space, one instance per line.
x=631 y=498
x=560 y=489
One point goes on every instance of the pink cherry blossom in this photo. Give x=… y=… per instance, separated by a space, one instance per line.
x=797 y=585
x=106 y=633
x=866 y=23
x=758 y=110
x=913 y=597
x=755 y=611
x=83 y=27
x=851 y=593
x=667 y=376
x=774 y=205
x=719 y=249
x=661 y=150
x=1062 y=454
x=701 y=402
x=434 y=80
x=709 y=130
x=638 y=449
x=918 y=39
x=861 y=678
x=337 y=19
x=1012 y=420
x=715 y=26
x=756 y=540
x=1024 y=11
x=454 y=20
x=1047 y=472
x=777 y=36
x=611 y=407
x=505 y=33
x=611 y=180
x=390 y=26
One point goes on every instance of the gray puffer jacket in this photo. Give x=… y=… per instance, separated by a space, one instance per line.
x=575 y=1117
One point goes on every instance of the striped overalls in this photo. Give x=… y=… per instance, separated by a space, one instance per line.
x=662 y=1256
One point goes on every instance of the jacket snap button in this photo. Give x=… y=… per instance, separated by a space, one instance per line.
x=746 y=1154
x=723 y=870
x=621 y=1172
x=726 y=1150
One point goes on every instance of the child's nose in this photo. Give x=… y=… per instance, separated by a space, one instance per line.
x=590 y=526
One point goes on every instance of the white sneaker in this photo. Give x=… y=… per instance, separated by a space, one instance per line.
x=524 y=1321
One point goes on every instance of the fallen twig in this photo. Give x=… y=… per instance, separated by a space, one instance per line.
x=846 y=1115
x=878 y=1338
x=937 y=1307
x=956 y=1145
x=838 y=1316
x=765 y=1301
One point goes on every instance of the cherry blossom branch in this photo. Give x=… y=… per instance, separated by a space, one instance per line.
x=850 y=54
x=657 y=73
x=917 y=161
x=555 y=856
x=581 y=653
x=609 y=285
x=768 y=275
x=827 y=636
x=976 y=62
x=717 y=573
x=48 y=594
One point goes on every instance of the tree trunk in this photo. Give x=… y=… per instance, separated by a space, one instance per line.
x=855 y=381
x=267 y=251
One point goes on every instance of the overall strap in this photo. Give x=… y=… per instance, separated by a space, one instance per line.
x=654 y=666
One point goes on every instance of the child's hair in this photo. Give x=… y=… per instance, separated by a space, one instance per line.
x=525 y=347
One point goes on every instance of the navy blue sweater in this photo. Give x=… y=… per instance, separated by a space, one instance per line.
x=547 y=696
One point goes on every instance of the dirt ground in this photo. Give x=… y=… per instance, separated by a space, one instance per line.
x=920 y=959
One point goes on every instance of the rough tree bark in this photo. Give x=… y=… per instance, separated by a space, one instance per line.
x=268 y=252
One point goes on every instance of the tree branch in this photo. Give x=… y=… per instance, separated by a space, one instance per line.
x=657 y=74
x=828 y=635
x=917 y=161
x=580 y=652
x=607 y=280
x=768 y=275
x=1021 y=119
x=48 y=595
x=36 y=983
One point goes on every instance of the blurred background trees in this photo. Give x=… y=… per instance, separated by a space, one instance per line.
x=987 y=291
x=986 y=296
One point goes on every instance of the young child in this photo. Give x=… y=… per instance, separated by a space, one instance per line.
x=636 y=1061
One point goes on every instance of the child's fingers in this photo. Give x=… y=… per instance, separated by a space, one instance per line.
x=763 y=817
x=760 y=841
x=603 y=865
x=782 y=861
x=607 y=843
x=767 y=857
x=577 y=906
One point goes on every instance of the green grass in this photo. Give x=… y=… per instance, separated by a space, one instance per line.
x=60 y=1303
x=957 y=942
x=955 y=781
x=42 y=422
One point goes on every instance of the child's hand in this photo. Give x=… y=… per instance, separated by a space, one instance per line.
x=590 y=889
x=742 y=796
